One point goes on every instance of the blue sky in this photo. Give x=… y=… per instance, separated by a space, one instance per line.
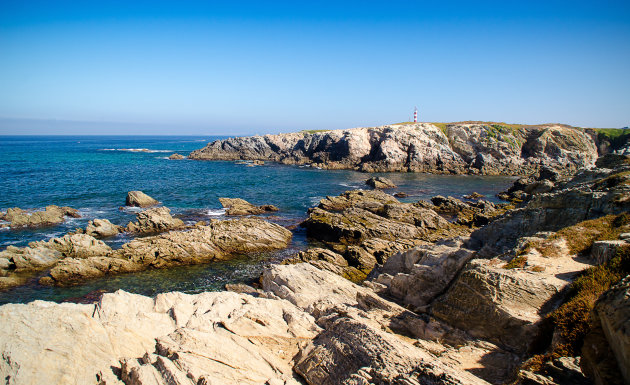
x=244 y=67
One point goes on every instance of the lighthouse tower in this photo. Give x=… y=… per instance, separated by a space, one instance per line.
x=415 y=114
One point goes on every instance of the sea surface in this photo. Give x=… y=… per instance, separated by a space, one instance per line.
x=94 y=173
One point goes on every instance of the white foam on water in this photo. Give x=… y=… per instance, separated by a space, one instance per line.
x=315 y=200
x=135 y=150
x=130 y=209
x=215 y=212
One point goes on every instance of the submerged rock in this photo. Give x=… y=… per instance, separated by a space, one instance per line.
x=140 y=199
x=237 y=206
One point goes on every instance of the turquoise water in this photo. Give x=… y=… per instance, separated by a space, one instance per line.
x=94 y=174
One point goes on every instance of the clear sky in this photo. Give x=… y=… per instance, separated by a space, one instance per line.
x=240 y=67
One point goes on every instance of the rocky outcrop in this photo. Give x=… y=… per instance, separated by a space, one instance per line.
x=237 y=206
x=176 y=156
x=154 y=220
x=379 y=182
x=140 y=199
x=326 y=331
x=589 y=194
x=17 y=264
x=484 y=148
x=52 y=215
x=220 y=240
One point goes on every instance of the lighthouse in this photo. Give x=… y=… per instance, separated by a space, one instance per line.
x=415 y=114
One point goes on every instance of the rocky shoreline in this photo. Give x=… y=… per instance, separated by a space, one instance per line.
x=449 y=291
x=454 y=148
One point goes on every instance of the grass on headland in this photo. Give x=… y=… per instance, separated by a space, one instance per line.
x=581 y=237
x=313 y=131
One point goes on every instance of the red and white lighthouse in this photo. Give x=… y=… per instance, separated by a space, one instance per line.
x=415 y=114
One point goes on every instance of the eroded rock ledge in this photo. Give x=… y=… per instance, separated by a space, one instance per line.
x=459 y=148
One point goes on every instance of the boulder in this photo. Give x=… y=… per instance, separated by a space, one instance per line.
x=50 y=216
x=176 y=156
x=354 y=225
x=418 y=275
x=356 y=198
x=379 y=182
x=501 y=305
x=237 y=206
x=140 y=199
x=102 y=228
x=154 y=220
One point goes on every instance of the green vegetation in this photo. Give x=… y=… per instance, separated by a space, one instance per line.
x=580 y=237
x=617 y=137
x=571 y=319
x=442 y=126
x=313 y=131
x=516 y=263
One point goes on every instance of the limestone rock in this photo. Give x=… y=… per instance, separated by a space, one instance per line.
x=140 y=199
x=224 y=338
x=102 y=228
x=50 y=216
x=379 y=182
x=177 y=156
x=154 y=220
x=237 y=206
x=305 y=286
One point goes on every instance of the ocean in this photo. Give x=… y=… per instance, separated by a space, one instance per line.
x=94 y=173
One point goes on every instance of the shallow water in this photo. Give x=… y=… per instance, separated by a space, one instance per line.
x=94 y=174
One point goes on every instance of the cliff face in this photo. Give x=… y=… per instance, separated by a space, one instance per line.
x=421 y=147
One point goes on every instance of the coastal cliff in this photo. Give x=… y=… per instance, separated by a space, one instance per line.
x=457 y=148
